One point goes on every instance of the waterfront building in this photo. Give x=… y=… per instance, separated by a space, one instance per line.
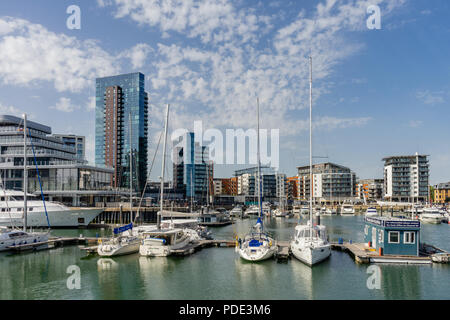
x=331 y=183
x=76 y=142
x=281 y=185
x=120 y=101
x=192 y=168
x=406 y=178
x=217 y=190
x=370 y=190
x=442 y=193
x=63 y=176
x=393 y=236
x=229 y=186
x=248 y=183
x=292 y=187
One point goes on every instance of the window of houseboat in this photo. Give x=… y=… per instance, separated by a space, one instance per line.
x=394 y=237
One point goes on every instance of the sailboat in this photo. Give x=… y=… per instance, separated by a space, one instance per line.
x=257 y=245
x=310 y=244
x=10 y=238
x=122 y=244
x=159 y=242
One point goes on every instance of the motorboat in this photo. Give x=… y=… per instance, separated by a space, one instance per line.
x=160 y=243
x=347 y=209
x=15 y=237
x=431 y=215
x=59 y=215
x=371 y=212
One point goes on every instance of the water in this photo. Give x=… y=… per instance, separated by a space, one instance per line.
x=218 y=273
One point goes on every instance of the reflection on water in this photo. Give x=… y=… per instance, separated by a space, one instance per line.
x=401 y=282
x=219 y=273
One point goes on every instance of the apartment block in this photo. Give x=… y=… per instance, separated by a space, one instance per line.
x=406 y=178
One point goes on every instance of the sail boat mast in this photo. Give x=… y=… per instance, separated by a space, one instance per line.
x=131 y=167
x=310 y=147
x=163 y=170
x=259 y=164
x=25 y=173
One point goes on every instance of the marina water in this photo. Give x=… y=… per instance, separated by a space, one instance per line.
x=219 y=273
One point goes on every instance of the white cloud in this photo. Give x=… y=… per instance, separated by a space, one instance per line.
x=137 y=55
x=64 y=105
x=10 y=110
x=429 y=97
x=91 y=104
x=30 y=53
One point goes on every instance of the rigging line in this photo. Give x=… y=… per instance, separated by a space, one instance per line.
x=148 y=175
x=39 y=178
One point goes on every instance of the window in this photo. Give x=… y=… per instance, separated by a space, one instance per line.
x=394 y=237
x=409 y=237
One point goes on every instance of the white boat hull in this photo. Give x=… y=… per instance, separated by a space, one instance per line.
x=80 y=217
x=27 y=239
x=111 y=250
x=431 y=220
x=161 y=250
x=311 y=255
x=257 y=254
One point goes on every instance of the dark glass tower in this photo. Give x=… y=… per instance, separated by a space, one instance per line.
x=117 y=98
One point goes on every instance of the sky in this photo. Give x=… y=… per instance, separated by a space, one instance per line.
x=376 y=92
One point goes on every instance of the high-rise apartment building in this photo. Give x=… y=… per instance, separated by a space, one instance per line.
x=192 y=168
x=121 y=128
x=406 y=178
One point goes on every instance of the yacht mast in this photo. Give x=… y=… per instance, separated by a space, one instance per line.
x=25 y=173
x=131 y=168
x=259 y=165
x=310 y=147
x=162 y=171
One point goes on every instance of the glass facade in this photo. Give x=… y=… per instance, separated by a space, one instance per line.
x=190 y=169
x=60 y=168
x=133 y=103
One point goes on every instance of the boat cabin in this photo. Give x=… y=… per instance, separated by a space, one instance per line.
x=392 y=236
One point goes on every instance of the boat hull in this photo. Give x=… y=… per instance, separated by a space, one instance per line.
x=311 y=255
x=58 y=219
x=28 y=239
x=255 y=255
x=112 y=250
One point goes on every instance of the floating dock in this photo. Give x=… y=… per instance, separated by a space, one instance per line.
x=53 y=243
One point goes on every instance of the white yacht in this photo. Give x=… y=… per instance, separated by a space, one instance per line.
x=371 y=212
x=257 y=245
x=280 y=213
x=310 y=244
x=119 y=246
x=160 y=243
x=59 y=215
x=237 y=212
x=431 y=215
x=252 y=211
x=10 y=238
x=347 y=209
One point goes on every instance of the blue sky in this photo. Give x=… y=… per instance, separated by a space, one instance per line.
x=376 y=92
